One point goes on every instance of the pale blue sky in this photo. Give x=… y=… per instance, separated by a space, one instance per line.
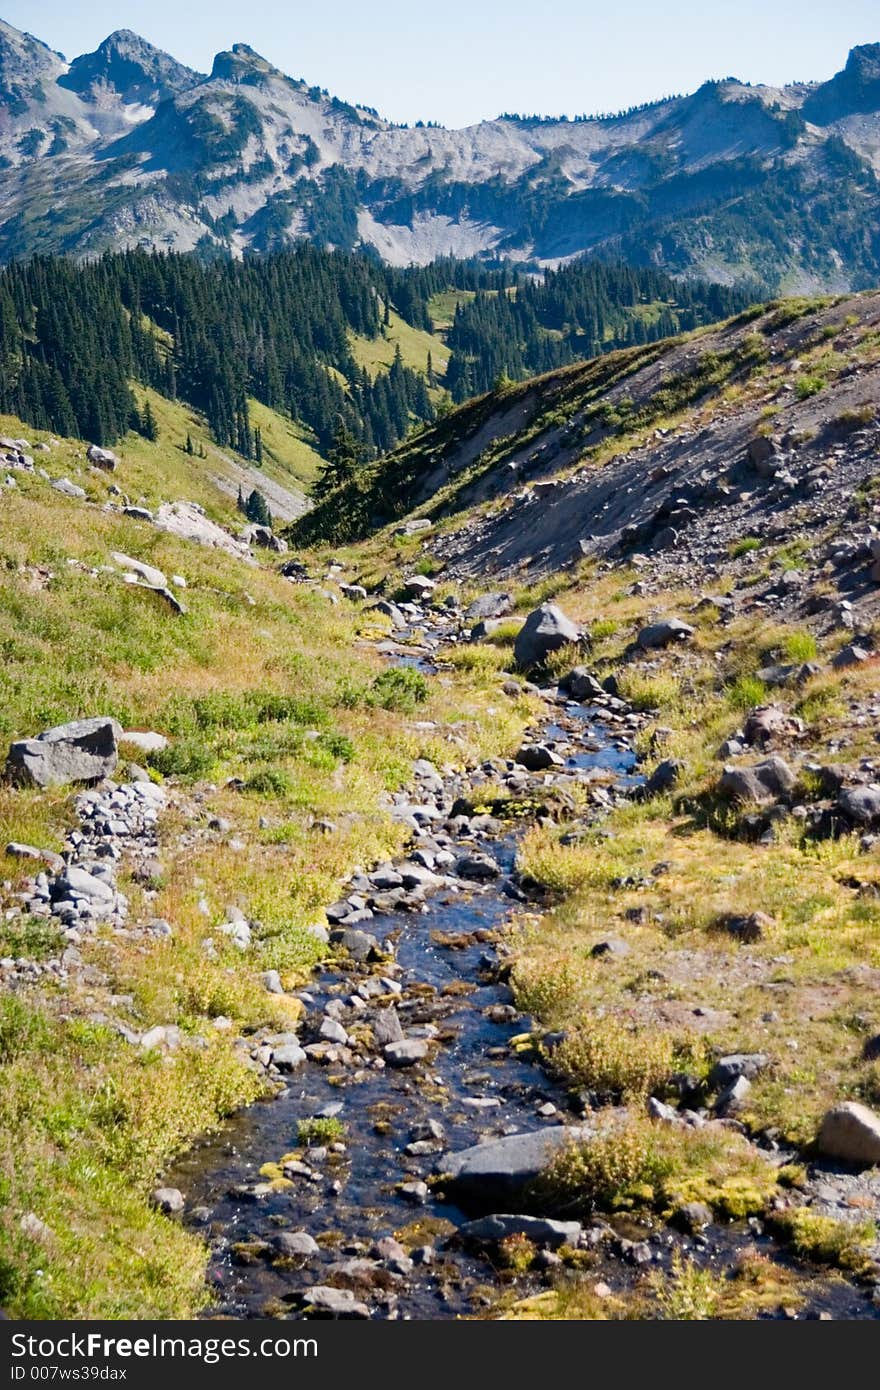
x=459 y=61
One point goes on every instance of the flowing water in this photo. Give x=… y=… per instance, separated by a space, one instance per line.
x=477 y=1084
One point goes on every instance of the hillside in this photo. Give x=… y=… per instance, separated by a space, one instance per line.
x=127 y=147
x=562 y=915
x=649 y=449
x=346 y=351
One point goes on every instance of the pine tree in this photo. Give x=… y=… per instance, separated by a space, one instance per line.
x=344 y=458
x=149 y=428
x=189 y=445
x=241 y=502
x=258 y=446
x=256 y=509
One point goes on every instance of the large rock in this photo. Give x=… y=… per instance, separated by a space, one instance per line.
x=861 y=804
x=502 y=1168
x=664 y=633
x=544 y=631
x=82 y=751
x=541 y=1231
x=102 y=458
x=767 y=722
x=762 y=783
x=488 y=606
x=150 y=575
x=851 y=1132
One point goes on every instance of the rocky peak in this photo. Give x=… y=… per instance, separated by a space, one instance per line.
x=24 y=63
x=241 y=63
x=132 y=68
x=855 y=90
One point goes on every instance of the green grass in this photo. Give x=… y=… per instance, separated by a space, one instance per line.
x=263 y=682
x=377 y=354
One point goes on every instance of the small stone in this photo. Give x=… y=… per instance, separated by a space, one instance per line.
x=298 y=1245
x=168 y=1199
x=405 y=1053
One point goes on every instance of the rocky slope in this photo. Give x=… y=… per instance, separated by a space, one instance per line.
x=127 y=146
x=764 y=430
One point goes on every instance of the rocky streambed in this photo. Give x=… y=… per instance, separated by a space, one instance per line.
x=386 y=1177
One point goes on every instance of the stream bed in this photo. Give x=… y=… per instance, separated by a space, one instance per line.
x=372 y=1235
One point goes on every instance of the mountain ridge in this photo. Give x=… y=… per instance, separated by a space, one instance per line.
x=126 y=146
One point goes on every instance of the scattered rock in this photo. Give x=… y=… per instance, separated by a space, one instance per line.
x=544 y=631
x=541 y=1231
x=851 y=1132
x=405 y=1053
x=102 y=458
x=82 y=751
x=761 y=783
x=662 y=634
x=168 y=1199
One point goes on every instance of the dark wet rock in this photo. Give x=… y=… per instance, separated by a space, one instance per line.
x=503 y=1168
x=851 y=1132
x=405 y=1053
x=762 y=782
x=537 y=757
x=296 y=1245
x=85 y=750
x=664 y=633
x=416 y=1193
x=323 y=1301
x=479 y=867
x=665 y=777
x=544 y=631
x=541 y=1231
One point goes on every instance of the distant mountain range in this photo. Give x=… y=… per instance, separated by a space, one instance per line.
x=735 y=183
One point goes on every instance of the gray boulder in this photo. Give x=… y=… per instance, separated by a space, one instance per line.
x=296 y=1245
x=150 y=575
x=102 y=458
x=664 y=633
x=861 y=804
x=541 y=1231
x=851 y=1132
x=503 y=1168
x=83 y=751
x=488 y=606
x=761 y=783
x=544 y=631
x=581 y=684
x=537 y=756
x=405 y=1053
x=665 y=777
